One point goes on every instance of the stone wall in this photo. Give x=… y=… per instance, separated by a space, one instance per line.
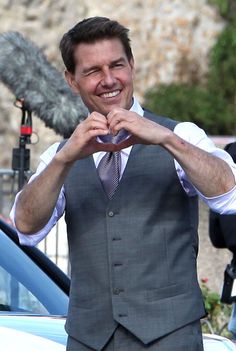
x=171 y=40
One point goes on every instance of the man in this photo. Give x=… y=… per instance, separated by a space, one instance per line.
x=132 y=246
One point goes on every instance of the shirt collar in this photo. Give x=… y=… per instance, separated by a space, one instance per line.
x=136 y=107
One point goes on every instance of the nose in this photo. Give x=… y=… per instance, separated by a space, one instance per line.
x=108 y=78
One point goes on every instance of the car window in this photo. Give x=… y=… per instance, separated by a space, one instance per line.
x=14 y=296
x=24 y=287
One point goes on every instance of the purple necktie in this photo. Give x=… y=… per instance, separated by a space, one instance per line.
x=109 y=166
x=109 y=172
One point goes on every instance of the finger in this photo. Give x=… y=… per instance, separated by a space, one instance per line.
x=92 y=123
x=97 y=125
x=114 y=118
x=114 y=112
x=121 y=125
x=96 y=116
x=93 y=133
x=123 y=119
x=95 y=121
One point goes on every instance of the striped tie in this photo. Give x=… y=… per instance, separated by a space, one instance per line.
x=109 y=172
x=109 y=166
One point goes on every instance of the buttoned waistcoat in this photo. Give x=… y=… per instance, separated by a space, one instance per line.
x=133 y=258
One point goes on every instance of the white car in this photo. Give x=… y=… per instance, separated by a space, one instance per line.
x=214 y=342
x=19 y=332
x=47 y=333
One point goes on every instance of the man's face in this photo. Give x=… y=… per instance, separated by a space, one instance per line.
x=103 y=76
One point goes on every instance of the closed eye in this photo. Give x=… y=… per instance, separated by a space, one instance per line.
x=90 y=70
x=93 y=71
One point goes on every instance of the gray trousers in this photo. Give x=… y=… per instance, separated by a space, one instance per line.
x=188 y=338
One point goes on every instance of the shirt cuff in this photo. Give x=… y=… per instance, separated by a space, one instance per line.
x=34 y=238
x=223 y=204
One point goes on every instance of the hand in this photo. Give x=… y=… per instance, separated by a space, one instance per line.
x=83 y=142
x=142 y=130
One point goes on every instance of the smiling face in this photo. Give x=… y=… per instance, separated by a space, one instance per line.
x=103 y=75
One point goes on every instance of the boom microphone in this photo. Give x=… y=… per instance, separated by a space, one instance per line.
x=25 y=70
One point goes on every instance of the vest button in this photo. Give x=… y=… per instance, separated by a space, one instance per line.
x=110 y=213
x=116 y=239
x=117 y=291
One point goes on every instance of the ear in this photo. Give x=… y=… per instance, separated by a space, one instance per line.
x=70 y=78
x=131 y=62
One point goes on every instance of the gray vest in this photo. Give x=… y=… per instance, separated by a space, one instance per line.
x=133 y=258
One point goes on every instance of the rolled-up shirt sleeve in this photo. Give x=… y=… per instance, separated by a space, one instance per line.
x=35 y=238
x=223 y=204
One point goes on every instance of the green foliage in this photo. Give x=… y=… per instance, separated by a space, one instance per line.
x=218 y=314
x=222 y=73
x=211 y=105
x=226 y=8
x=193 y=103
x=222 y=5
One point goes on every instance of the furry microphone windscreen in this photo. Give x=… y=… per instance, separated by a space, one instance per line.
x=25 y=70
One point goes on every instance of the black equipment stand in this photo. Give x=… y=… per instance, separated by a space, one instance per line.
x=21 y=155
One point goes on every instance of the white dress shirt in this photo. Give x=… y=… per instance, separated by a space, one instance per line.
x=188 y=131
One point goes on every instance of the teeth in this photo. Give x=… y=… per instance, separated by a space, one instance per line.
x=111 y=94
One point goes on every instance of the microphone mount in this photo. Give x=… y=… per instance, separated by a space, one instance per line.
x=21 y=155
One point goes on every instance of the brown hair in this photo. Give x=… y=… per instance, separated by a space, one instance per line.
x=88 y=31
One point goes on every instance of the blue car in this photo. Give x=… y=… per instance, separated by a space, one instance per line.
x=34 y=296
